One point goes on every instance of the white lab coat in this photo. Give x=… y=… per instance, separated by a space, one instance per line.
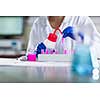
x=41 y=29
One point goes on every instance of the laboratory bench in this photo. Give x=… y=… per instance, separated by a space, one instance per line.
x=15 y=71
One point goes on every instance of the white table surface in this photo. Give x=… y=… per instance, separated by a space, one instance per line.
x=12 y=70
x=14 y=62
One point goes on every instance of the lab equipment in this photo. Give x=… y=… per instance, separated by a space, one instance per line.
x=82 y=63
x=67 y=56
x=94 y=57
x=56 y=52
x=95 y=63
x=10 y=46
x=65 y=51
x=95 y=77
x=46 y=51
x=85 y=52
x=55 y=57
x=11 y=26
x=31 y=57
x=49 y=43
x=42 y=51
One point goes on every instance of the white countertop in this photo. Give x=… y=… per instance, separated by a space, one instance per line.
x=12 y=70
x=14 y=62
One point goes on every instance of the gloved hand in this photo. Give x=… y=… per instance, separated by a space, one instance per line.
x=22 y=58
x=81 y=35
x=40 y=47
x=68 y=32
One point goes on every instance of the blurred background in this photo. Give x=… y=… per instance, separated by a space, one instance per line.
x=14 y=34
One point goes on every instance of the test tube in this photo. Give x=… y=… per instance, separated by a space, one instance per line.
x=56 y=52
x=51 y=51
x=65 y=51
x=46 y=51
x=62 y=40
x=42 y=51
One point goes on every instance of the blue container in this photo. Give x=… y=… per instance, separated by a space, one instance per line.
x=82 y=63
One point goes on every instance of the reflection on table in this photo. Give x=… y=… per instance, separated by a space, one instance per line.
x=17 y=71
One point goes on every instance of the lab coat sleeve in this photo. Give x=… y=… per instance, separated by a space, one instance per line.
x=33 y=39
x=95 y=34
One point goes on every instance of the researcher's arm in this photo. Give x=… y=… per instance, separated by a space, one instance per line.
x=92 y=28
x=94 y=33
x=32 y=42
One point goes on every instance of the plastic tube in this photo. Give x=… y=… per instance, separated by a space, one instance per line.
x=42 y=51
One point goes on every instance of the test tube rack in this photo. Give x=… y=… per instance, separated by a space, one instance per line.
x=55 y=57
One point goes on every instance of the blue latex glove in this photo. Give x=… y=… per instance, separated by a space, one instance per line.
x=68 y=32
x=40 y=47
x=81 y=35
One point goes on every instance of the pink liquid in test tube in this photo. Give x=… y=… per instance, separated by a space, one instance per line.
x=46 y=51
x=56 y=52
x=65 y=52
x=42 y=51
x=51 y=52
x=62 y=40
